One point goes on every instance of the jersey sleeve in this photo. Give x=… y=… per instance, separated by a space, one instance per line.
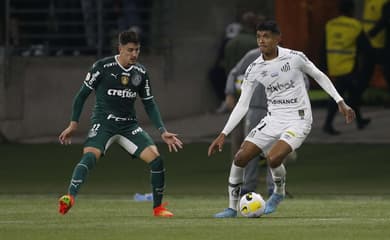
x=151 y=108
x=309 y=68
x=145 y=90
x=93 y=76
x=78 y=102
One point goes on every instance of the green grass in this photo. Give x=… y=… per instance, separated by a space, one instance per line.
x=106 y=217
x=341 y=191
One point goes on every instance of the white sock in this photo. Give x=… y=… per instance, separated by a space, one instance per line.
x=279 y=177
x=236 y=179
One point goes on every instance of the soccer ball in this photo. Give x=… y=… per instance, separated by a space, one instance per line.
x=252 y=205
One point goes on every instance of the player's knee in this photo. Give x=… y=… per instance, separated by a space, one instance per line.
x=239 y=160
x=274 y=160
x=91 y=150
x=149 y=154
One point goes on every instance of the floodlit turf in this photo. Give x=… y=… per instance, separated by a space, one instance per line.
x=341 y=191
x=113 y=217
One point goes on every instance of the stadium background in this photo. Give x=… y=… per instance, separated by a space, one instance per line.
x=339 y=183
x=181 y=44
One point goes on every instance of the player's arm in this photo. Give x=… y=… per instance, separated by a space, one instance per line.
x=77 y=107
x=239 y=111
x=241 y=107
x=325 y=83
x=90 y=82
x=154 y=115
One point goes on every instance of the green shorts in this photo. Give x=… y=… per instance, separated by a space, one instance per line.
x=129 y=135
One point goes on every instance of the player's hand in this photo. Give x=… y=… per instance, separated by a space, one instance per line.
x=66 y=135
x=347 y=111
x=217 y=144
x=172 y=141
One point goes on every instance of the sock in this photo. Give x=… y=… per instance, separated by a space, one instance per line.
x=80 y=172
x=236 y=178
x=279 y=177
x=157 y=175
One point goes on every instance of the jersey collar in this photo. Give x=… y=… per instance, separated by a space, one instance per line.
x=281 y=52
x=124 y=69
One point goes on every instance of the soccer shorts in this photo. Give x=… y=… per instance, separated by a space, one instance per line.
x=130 y=136
x=270 y=129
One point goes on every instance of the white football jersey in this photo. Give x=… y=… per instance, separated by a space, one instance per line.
x=283 y=80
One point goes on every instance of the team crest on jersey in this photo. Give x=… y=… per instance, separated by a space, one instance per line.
x=136 y=79
x=286 y=67
x=124 y=80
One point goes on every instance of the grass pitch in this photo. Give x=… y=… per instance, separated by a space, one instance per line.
x=340 y=192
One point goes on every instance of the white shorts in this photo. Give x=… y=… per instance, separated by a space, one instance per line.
x=270 y=129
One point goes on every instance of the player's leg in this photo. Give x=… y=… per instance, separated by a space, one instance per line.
x=291 y=138
x=246 y=152
x=252 y=118
x=80 y=172
x=94 y=146
x=140 y=144
x=275 y=159
x=157 y=175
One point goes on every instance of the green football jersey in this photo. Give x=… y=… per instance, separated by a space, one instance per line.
x=116 y=88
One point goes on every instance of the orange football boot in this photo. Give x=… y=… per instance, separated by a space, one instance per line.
x=65 y=203
x=161 y=211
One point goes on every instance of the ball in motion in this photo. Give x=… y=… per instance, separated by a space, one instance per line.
x=252 y=205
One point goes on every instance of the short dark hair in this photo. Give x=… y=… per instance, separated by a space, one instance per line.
x=126 y=37
x=269 y=25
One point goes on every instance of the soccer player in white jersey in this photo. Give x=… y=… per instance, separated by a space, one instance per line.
x=288 y=122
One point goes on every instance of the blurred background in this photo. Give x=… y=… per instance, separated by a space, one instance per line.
x=46 y=49
x=47 y=46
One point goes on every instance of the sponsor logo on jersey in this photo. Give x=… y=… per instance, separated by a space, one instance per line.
x=137 y=68
x=125 y=93
x=288 y=135
x=275 y=74
x=284 y=101
x=147 y=88
x=281 y=86
x=110 y=64
x=92 y=78
x=118 y=119
x=286 y=67
x=136 y=79
x=88 y=76
x=124 y=80
x=114 y=75
x=137 y=130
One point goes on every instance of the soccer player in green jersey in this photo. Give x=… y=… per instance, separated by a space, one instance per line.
x=117 y=81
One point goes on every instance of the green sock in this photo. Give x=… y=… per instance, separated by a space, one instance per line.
x=157 y=174
x=80 y=172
